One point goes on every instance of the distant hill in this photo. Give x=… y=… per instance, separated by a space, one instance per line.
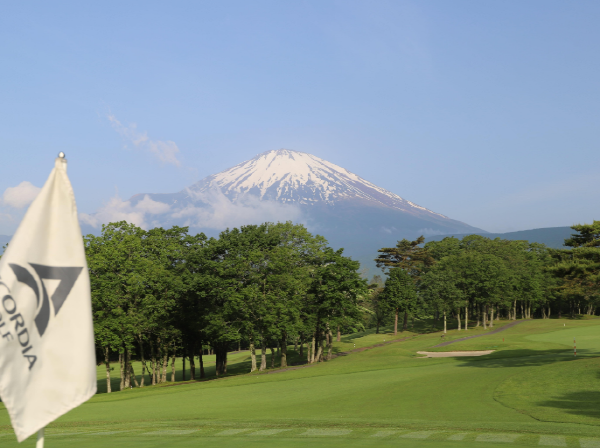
x=550 y=236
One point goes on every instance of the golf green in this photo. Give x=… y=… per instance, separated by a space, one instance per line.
x=530 y=391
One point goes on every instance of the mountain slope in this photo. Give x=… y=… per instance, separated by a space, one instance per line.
x=297 y=177
x=550 y=236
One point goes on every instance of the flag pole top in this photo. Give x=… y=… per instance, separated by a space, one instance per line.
x=61 y=155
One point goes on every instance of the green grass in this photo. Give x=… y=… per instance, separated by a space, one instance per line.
x=530 y=386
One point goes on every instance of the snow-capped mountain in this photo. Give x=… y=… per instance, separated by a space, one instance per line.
x=297 y=177
x=282 y=185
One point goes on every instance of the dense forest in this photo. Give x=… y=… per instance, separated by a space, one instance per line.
x=159 y=294
x=163 y=293
x=477 y=280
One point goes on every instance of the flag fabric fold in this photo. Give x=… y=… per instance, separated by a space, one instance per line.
x=47 y=354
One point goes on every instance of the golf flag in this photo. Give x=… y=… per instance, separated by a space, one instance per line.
x=47 y=355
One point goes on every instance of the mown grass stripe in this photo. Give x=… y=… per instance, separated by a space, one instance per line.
x=553 y=441
x=268 y=432
x=384 y=433
x=497 y=438
x=170 y=432
x=418 y=435
x=457 y=436
x=326 y=432
x=231 y=432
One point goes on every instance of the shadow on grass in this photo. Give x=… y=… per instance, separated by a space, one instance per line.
x=576 y=403
x=521 y=358
x=241 y=367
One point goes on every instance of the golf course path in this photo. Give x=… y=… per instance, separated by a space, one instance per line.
x=443 y=344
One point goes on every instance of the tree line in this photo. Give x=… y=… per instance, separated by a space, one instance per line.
x=477 y=280
x=162 y=293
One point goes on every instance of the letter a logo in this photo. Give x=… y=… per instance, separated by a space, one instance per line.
x=67 y=277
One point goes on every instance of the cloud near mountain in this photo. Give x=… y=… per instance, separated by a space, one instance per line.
x=117 y=209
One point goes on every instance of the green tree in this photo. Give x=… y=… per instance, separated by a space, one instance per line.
x=407 y=255
x=399 y=295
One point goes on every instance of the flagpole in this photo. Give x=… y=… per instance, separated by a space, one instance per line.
x=40 y=439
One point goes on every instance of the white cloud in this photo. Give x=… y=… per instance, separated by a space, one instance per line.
x=119 y=210
x=165 y=151
x=151 y=207
x=20 y=196
x=214 y=211
x=220 y=213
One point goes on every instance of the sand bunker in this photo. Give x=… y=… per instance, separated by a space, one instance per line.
x=453 y=354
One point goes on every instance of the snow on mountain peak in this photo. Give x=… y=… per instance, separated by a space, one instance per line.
x=297 y=177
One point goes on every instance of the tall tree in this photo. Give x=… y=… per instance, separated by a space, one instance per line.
x=407 y=255
x=399 y=295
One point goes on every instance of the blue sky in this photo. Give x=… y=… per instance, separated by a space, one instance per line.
x=487 y=112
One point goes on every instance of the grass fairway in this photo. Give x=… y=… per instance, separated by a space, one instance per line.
x=529 y=392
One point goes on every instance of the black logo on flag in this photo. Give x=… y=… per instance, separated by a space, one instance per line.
x=67 y=277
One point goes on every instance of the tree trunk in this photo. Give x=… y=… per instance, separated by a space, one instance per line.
x=339 y=334
x=308 y=354
x=484 y=312
x=329 y=343
x=152 y=364
x=444 y=321
x=272 y=357
x=312 y=349
x=122 y=385
x=492 y=316
x=396 y=323
x=263 y=355
x=201 y=359
x=284 y=351
x=107 y=363
x=221 y=358
x=173 y=364
x=405 y=326
x=165 y=364
x=133 y=375
x=252 y=355
x=458 y=318
x=320 y=349
x=548 y=311
x=192 y=365
x=127 y=358
x=144 y=368
x=467 y=317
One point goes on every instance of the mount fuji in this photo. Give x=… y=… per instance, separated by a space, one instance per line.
x=280 y=185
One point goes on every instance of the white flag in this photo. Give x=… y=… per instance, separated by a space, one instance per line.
x=47 y=355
